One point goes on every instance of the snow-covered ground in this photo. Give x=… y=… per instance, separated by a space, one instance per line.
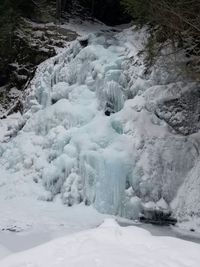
x=109 y=245
x=27 y=223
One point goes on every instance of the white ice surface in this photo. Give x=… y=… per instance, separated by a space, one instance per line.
x=26 y=223
x=3 y=250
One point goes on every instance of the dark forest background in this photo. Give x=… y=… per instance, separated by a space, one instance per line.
x=177 y=22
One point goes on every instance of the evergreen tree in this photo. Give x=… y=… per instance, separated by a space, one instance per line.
x=178 y=21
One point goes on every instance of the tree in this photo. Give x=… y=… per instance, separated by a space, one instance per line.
x=178 y=21
x=58 y=9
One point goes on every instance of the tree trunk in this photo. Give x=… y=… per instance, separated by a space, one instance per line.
x=64 y=4
x=92 y=7
x=58 y=9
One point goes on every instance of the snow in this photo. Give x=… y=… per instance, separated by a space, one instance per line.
x=9 y=126
x=3 y=252
x=27 y=223
x=109 y=245
x=84 y=27
x=186 y=204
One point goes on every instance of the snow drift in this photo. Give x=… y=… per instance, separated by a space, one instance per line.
x=109 y=245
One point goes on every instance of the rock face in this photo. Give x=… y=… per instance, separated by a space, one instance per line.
x=10 y=101
x=182 y=113
x=157 y=213
x=33 y=44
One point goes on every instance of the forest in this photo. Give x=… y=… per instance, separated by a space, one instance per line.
x=175 y=22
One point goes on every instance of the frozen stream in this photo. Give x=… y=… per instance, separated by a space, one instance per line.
x=17 y=242
x=156 y=230
x=107 y=245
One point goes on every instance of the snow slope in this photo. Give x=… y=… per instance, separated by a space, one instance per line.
x=27 y=222
x=109 y=245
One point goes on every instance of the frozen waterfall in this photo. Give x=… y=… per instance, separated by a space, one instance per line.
x=90 y=132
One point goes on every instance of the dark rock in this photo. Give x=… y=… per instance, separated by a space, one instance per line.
x=87 y=202
x=18 y=80
x=32 y=44
x=107 y=113
x=23 y=71
x=109 y=108
x=4 y=76
x=83 y=42
x=18 y=107
x=13 y=229
x=182 y=114
x=158 y=217
x=53 y=101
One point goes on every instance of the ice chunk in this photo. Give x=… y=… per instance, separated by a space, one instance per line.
x=72 y=190
x=105 y=180
x=113 y=97
x=162 y=205
x=56 y=173
x=59 y=91
x=132 y=208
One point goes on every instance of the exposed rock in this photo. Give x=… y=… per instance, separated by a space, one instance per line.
x=158 y=218
x=9 y=98
x=33 y=44
x=83 y=41
x=183 y=113
x=157 y=213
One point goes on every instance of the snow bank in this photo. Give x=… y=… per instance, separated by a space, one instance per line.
x=109 y=245
x=186 y=204
x=26 y=222
x=3 y=252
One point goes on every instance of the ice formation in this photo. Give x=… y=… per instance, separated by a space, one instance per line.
x=91 y=133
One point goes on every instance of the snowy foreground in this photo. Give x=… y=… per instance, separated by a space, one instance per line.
x=109 y=245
